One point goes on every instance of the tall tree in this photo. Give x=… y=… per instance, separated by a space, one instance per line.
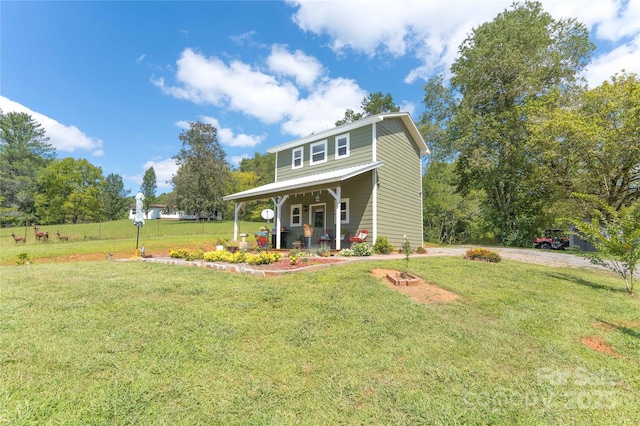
x=69 y=190
x=148 y=188
x=591 y=141
x=374 y=103
x=440 y=103
x=203 y=172
x=114 y=197
x=523 y=54
x=24 y=152
x=255 y=171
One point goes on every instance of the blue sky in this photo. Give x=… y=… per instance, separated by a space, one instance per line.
x=116 y=82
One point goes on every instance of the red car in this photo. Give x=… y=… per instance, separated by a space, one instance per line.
x=553 y=239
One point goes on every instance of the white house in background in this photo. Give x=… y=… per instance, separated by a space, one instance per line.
x=160 y=211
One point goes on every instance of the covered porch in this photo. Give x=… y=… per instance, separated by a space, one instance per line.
x=314 y=199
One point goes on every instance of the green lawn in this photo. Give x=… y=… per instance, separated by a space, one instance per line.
x=97 y=240
x=112 y=342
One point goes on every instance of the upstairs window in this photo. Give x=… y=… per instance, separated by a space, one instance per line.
x=342 y=146
x=297 y=156
x=318 y=152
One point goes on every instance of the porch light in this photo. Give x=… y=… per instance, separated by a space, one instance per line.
x=317 y=197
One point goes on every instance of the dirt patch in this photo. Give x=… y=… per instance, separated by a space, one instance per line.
x=424 y=292
x=597 y=344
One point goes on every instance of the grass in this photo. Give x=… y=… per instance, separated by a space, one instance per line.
x=96 y=240
x=130 y=342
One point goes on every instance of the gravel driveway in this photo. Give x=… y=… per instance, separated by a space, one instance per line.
x=541 y=257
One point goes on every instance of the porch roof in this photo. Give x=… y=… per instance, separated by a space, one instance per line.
x=308 y=182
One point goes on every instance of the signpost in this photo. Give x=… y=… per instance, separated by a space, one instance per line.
x=138 y=218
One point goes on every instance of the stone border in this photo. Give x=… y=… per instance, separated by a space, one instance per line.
x=240 y=268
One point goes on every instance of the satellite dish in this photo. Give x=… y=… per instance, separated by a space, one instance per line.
x=267 y=214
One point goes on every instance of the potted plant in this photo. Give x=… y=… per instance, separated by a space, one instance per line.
x=232 y=246
x=220 y=242
x=308 y=230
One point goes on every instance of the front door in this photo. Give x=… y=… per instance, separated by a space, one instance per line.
x=317 y=219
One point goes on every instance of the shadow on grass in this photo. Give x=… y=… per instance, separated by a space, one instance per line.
x=625 y=330
x=586 y=283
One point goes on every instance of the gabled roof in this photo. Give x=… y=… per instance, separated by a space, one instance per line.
x=404 y=116
x=301 y=183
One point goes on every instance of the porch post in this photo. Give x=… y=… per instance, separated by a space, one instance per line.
x=336 y=196
x=279 y=201
x=235 y=220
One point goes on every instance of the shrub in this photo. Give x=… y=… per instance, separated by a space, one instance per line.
x=347 y=252
x=362 y=249
x=23 y=259
x=382 y=246
x=262 y=258
x=421 y=250
x=483 y=254
x=179 y=253
x=195 y=255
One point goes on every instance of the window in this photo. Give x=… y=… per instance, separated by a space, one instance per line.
x=342 y=146
x=318 y=152
x=297 y=156
x=296 y=215
x=344 y=210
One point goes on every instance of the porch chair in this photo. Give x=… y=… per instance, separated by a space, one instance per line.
x=360 y=236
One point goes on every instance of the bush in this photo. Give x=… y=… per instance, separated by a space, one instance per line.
x=179 y=253
x=421 y=250
x=195 y=255
x=362 y=249
x=483 y=254
x=382 y=246
x=347 y=252
x=263 y=258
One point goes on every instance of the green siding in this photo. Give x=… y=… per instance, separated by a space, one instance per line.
x=360 y=152
x=399 y=198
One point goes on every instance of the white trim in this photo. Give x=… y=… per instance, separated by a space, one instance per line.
x=404 y=116
x=348 y=146
x=276 y=176
x=374 y=143
x=299 y=207
x=324 y=178
x=324 y=152
x=374 y=177
x=299 y=149
x=324 y=211
x=346 y=201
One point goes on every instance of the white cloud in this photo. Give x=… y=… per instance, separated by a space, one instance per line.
x=432 y=31
x=303 y=68
x=62 y=137
x=140 y=58
x=164 y=169
x=270 y=98
x=625 y=57
x=237 y=85
x=322 y=108
x=229 y=138
x=236 y=159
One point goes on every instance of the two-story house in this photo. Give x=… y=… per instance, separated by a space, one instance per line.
x=362 y=175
